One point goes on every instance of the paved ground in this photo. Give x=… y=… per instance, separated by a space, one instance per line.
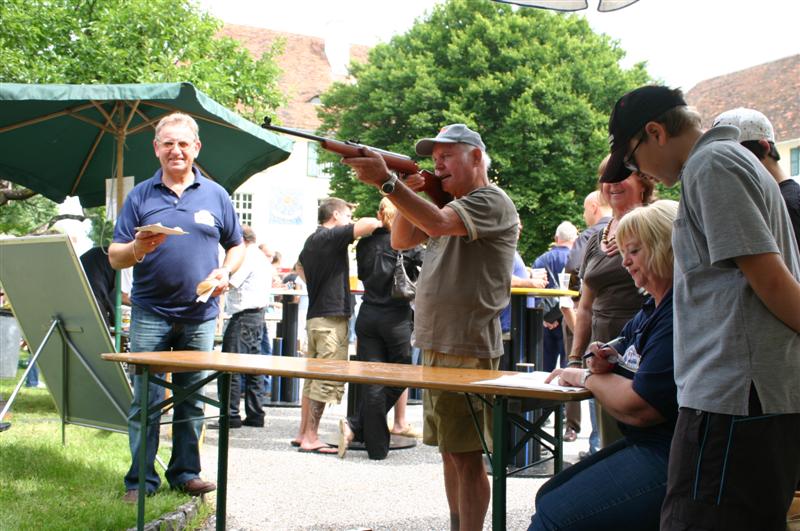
x=272 y=486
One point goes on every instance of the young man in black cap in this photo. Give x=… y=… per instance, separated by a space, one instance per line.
x=735 y=456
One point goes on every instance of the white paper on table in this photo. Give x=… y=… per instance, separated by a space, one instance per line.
x=161 y=229
x=529 y=380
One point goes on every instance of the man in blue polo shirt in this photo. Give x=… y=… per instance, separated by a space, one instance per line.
x=166 y=313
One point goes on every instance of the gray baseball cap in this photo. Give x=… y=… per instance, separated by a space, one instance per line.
x=450 y=134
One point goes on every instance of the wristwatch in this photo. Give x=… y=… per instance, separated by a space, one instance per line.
x=585 y=376
x=388 y=185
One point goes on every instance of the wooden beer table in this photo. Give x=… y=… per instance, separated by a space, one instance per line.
x=222 y=364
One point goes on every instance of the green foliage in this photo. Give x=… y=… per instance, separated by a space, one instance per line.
x=102 y=229
x=537 y=85
x=136 y=41
x=76 y=486
x=21 y=217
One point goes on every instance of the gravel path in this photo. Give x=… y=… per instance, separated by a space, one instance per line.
x=272 y=486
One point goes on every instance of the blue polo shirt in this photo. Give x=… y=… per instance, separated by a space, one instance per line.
x=165 y=282
x=647 y=358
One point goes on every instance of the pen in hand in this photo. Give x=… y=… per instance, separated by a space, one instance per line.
x=613 y=344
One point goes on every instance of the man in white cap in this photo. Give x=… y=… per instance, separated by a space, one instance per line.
x=735 y=455
x=463 y=286
x=757 y=135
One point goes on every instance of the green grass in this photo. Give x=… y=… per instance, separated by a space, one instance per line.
x=44 y=485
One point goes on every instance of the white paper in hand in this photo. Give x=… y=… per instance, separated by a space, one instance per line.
x=161 y=229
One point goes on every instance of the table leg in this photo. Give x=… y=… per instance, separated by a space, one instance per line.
x=222 y=455
x=144 y=383
x=499 y=462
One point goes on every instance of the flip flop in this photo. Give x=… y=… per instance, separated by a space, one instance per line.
x=295 y=444
x=343 y=443
x=324 y=450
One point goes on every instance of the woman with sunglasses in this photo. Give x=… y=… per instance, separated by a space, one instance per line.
x=609 y=297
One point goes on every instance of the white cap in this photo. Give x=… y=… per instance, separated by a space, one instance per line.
x=752 y=124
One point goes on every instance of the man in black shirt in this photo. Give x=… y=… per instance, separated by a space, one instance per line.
x=327 y=271
x=103 y=281
x=757 y=135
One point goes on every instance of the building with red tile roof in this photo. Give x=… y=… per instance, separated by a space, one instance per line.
x=772 y=88
x=281 y=203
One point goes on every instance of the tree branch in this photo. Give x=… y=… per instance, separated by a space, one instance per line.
x=41 y=229
x=15 y=194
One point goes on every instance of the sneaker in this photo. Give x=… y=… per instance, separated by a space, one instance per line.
x=254 y=423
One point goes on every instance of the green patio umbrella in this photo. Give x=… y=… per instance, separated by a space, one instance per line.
x=66 y=140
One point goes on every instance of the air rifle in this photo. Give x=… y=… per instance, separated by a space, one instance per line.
x=397 y=162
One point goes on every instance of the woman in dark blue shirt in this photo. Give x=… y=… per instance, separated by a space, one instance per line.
x=623 y=485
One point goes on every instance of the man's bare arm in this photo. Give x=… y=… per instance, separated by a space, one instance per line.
x=427 y=217
x=405 y=235
x=122 y=255
x=365 y=227
x=772 y=282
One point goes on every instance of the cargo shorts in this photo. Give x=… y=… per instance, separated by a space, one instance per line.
x=448 y=421
x=328 y=338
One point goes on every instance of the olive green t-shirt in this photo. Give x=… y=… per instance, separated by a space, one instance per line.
x=465 y=281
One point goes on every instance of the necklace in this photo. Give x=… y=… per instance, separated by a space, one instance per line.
x=606 y=240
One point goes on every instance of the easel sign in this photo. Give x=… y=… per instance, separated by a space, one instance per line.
x=62 y=324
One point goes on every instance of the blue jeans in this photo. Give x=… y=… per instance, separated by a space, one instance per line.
x=151 y=332
x=620 y=487
x=594 y=436
x=32 y=380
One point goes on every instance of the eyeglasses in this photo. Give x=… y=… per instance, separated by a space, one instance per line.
x=630 y=162
x=170 y=144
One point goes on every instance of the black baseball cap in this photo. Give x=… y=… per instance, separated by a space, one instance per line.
x=631 y=113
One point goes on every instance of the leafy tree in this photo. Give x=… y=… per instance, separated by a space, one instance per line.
x=135 y=41
x=22 y=216
x=537 y=85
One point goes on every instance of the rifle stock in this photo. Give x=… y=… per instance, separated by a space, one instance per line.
x=394 y=161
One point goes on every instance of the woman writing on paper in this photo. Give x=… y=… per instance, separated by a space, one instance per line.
x=623 y=485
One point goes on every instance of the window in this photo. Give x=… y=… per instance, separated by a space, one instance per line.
x=794 y=162
x=314 y=167
x=243 y=204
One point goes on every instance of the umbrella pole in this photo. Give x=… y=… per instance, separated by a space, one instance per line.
x=120 y=136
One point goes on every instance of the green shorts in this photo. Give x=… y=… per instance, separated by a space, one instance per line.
x=327 y=340
x=448 y=420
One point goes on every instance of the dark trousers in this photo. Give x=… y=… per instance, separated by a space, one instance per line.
x=243 y=336
x=732 y=472
x=553 y=348
x=384 y=335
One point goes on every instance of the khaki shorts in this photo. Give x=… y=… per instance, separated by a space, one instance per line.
x=327 y=340
x=448 y=421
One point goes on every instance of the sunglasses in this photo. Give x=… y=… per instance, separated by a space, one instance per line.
x=630 y=162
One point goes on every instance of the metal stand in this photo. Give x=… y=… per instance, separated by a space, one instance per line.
x=56 y=324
